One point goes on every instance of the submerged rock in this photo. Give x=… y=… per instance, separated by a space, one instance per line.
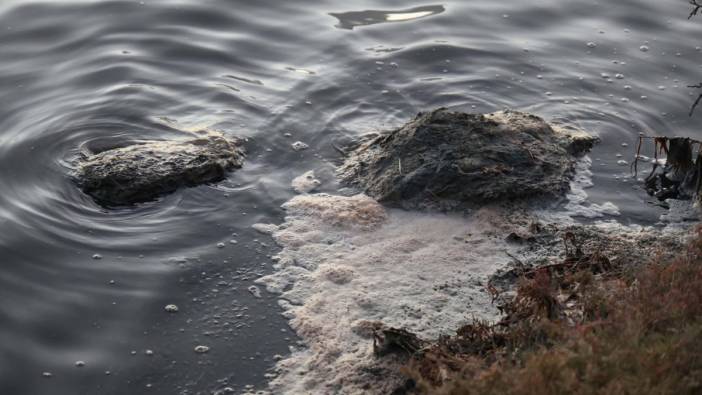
x=147 y=170
x=468 y=158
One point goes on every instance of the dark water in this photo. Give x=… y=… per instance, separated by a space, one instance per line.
x=87 y=74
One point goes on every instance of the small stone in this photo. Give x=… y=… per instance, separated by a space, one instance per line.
x=255 y=291
x=97 y=256
x=643 y=48
x=591 y=44
x=299 y=146
x=80 y=364
x=201 y=349
x=149 y=352
x=171 y=308
x=48 y=375
x=220 y=245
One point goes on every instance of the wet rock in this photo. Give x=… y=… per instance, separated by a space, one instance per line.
x=468 y=158
x=147 y=170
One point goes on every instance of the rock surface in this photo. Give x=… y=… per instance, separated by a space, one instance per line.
x=468 y=158
x=147 y=170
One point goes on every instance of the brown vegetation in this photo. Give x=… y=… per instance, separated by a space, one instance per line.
x=581 y=327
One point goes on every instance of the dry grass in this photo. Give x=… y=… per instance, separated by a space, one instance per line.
x=579 y=332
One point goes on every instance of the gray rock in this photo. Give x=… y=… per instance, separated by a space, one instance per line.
x=147 y=170
x=466 y=158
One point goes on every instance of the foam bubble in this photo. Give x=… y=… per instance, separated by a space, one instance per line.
x=346 y=261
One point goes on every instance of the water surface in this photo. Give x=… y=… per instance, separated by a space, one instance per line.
x=78 y=75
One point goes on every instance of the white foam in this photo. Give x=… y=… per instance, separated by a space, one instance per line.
x=578 y=205
x=305 y=183
x=680 y=211
x=346 y=260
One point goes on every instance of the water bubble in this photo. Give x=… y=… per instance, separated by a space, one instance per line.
x=220 y=245
x=591 y=44
x=661 y=87
x=201 y=349
x=80 y=364
x=627 y=87
x=625 y=145
x=48 y=375
x=622 y=162
x=97 y=256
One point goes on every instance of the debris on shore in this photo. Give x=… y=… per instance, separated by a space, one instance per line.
x=581 y=325
x=149 y=169
x=676 y=176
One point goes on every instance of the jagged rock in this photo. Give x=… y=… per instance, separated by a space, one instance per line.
x=147 y=170
x=468 y=158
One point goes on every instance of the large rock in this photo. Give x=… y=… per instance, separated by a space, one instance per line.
x=467 y=158
x=147 y=170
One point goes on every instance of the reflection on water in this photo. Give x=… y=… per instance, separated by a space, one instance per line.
x=349 y=20
x=91 y=74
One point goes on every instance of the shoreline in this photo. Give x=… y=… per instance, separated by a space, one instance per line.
x=349 y=266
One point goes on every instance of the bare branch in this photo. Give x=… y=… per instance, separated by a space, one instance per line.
x=698 y=86
x=697 y=5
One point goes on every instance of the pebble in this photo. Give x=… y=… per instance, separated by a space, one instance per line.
x=97 y=256
x=255 y=291
x=643 y=48
x=591 y=44
x=220 y=245
x=149 y=352
x=619 y=76
x=80 y=364
x=48 y=375
x=171 y=308
x=201 y=349
x=299 y=146
x=622 y=162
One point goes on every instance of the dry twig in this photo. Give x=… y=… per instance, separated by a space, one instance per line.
x=697 y=5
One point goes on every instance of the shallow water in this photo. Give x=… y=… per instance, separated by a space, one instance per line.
x=92 y=74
